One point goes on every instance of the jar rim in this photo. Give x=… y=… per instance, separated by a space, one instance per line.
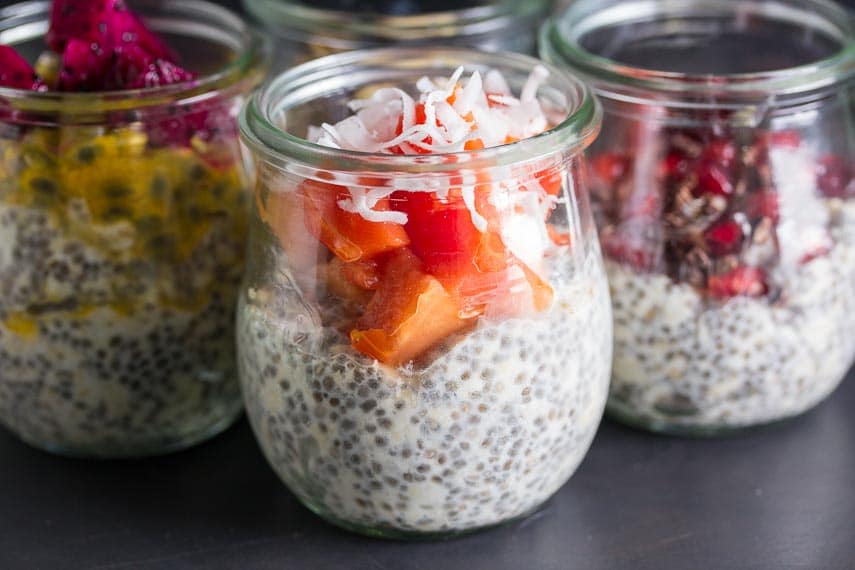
x=300 y=18
x=611 y=78
x=247 y=65
x=260 y=132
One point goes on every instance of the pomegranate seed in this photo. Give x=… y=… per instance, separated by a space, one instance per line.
x=723 y=237
x=742 y=280
x=674 y=165
x=832 y=176
x=763 y=204
x=785 y=139
x=620 y=249
x=609 y=167
x=713 y=179
x=817 y=252
x=721 y=151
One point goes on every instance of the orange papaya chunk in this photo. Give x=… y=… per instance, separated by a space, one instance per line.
x=348 y=235
x=410 y=312
x=341 y=286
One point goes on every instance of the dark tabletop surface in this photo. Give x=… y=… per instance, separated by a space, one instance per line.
x=782 y=497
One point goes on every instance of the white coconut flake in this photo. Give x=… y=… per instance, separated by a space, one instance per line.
x=537 y=76
x=494 y=114
x=494 y=82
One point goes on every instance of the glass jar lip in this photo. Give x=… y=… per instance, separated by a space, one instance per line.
x=610 y=77
x=259 y=131
x=248 y=66
x=299 y=18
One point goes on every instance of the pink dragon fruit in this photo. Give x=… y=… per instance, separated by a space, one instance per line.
x=108 y=23
x=106 y=47
x=16 y=72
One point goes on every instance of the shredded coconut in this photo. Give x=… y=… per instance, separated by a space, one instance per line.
x=455 y=113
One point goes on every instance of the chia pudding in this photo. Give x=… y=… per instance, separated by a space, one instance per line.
x=422 y=359
x=122 y=235
x=735 y=306
x=486 y=432
x=723 y=187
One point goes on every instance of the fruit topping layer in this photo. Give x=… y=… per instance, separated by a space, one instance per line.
x=149 y=189
x=704 y=205
x=422 y=259
x=96 y=45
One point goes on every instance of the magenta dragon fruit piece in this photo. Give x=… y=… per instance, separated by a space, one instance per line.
x=106 y=47
x=135 y=68
x=16 y=72
x=108 y=23
x=84 y=66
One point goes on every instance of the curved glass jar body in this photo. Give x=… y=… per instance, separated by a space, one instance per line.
x=303 y=31
x=724 y=196
x=501 y=401
x=123 y=218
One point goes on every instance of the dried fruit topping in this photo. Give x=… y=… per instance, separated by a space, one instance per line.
x=740 y=281
x=724 y=237
x=608 y=167
x=713 y=179
x=431 y=256
x=835 y=177
x=714 y=196
x=16 y=72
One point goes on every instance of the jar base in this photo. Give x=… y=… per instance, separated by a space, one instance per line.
x=389 y=533
x=619 y=413
x=138 y=452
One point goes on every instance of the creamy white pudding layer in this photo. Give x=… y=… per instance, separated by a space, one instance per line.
x=683 y=361
x=496 y=422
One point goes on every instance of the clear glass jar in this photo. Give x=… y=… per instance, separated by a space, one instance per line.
x=500 y=405
x=122 y=221
x=725 y=201
x=304 y=30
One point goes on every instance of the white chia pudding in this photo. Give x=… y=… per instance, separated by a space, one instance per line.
x=95 y=379
x=487 y=431
x=116 y=301
x=684 y=362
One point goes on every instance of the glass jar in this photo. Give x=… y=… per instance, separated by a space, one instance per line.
x=501 y=377
x=304 y=30
x=724 y=195
x=122 y=222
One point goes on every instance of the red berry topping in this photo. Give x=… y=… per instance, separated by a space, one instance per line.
x=833 y=176
x=724 y=237
x=713 y=179
x=742 y=280
x=721 y=151
x=16 y=72
x=629 y=251
x=674 y=165
x=609 y=167
x=785 y=139
x=763 y=204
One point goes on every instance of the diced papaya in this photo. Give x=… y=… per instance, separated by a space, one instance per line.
x=551 y=180
x=442 y=234
x=410 y=312
x=348 y=235
x=282 y=211
x=364 y=273
x=557 y=237
x=473 y=144
x=514 y=291
x=338 y=283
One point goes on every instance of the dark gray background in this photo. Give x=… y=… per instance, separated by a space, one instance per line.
x=782 y=497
